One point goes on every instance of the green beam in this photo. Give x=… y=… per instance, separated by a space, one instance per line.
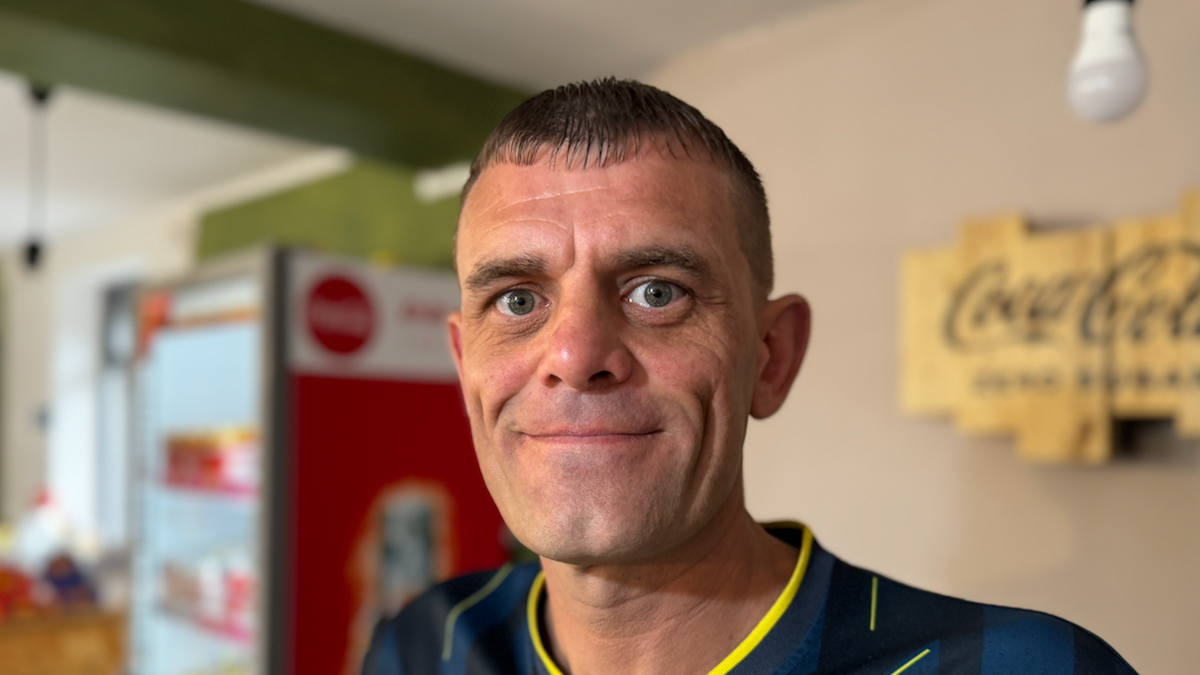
x=250 y=65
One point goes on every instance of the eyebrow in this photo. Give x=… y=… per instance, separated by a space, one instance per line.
x=683 y=258
x=492 y=271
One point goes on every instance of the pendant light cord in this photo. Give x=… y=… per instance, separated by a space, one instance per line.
x=39 y=96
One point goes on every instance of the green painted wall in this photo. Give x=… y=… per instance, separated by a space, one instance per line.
x=369 y=212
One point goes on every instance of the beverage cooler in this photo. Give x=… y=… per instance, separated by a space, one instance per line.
x=304 y=463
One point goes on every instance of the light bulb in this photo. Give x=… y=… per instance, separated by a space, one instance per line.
x=1108 y=78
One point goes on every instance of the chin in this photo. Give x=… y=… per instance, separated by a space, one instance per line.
x=594 y=541
x=572 y=553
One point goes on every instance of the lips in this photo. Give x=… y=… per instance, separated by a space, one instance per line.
x=560 y=417
x=585 y=433
x=589 y=438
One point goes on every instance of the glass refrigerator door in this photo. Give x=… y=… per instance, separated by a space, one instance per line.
x=197 y=489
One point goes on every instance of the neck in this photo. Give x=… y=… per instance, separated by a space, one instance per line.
x=681 y=612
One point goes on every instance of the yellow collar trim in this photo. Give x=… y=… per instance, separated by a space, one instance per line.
x=735 y=657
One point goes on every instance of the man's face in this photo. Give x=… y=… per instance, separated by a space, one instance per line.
x=607 y=348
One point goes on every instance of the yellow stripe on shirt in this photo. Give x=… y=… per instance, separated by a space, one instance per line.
x=744 y=649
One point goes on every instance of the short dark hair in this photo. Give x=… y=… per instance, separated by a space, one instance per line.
x=602 y=121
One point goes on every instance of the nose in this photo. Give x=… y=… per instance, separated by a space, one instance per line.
x=584 y=348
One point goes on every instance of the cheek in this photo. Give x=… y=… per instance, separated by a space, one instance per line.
x=706 y=364
x=496 y=373
x=683 y=371
x=694 y=377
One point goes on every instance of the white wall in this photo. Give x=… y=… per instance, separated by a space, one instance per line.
x=51 y=359
x=25 y=362
x=878 y=125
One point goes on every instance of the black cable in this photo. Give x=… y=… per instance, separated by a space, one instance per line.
x=39 y=96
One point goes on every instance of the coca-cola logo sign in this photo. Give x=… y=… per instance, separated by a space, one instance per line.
x=1051 y=335
x=339 y=315
x=1135 y=300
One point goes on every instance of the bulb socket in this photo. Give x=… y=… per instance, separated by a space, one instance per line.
x=40 y=93
x=1090 y=2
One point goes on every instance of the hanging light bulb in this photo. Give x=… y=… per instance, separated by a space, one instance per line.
x=1108 y=78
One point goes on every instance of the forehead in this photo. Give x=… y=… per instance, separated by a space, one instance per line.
x=650 y=199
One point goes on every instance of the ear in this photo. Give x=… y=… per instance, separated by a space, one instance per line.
x=783 y=330
x=454 y=328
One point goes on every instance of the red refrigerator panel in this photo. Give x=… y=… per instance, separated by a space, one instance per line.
x=384 y=497
x=388 y=499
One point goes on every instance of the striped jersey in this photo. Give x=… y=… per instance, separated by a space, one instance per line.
x=832 y=618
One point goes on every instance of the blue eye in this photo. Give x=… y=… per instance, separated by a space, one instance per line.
x=654 y=294
x=517 y=302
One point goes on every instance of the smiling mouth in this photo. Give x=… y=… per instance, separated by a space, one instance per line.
x=591 y=436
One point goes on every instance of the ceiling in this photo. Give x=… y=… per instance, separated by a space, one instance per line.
x=536 y=44
x=111 y=159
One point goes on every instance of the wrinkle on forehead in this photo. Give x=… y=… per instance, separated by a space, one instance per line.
x=508 y=195
x=502 y=199
x=655 y=150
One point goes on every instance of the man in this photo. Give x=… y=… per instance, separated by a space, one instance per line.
x=615 y=336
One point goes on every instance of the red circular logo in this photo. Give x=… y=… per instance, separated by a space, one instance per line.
x=339 y=315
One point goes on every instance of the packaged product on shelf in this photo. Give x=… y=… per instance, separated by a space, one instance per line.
x=215 y=590
x=179 y=588
x=239 y=591
x=224 y=460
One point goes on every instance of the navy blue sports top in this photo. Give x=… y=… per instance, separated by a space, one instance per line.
x=831 y=618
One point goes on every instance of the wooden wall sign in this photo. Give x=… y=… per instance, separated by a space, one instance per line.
x=1049 y=336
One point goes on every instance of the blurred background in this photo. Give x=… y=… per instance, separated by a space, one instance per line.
x=185 y=406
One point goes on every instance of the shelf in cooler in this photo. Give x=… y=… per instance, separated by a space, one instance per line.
x=239 y=635
x=238 y=494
